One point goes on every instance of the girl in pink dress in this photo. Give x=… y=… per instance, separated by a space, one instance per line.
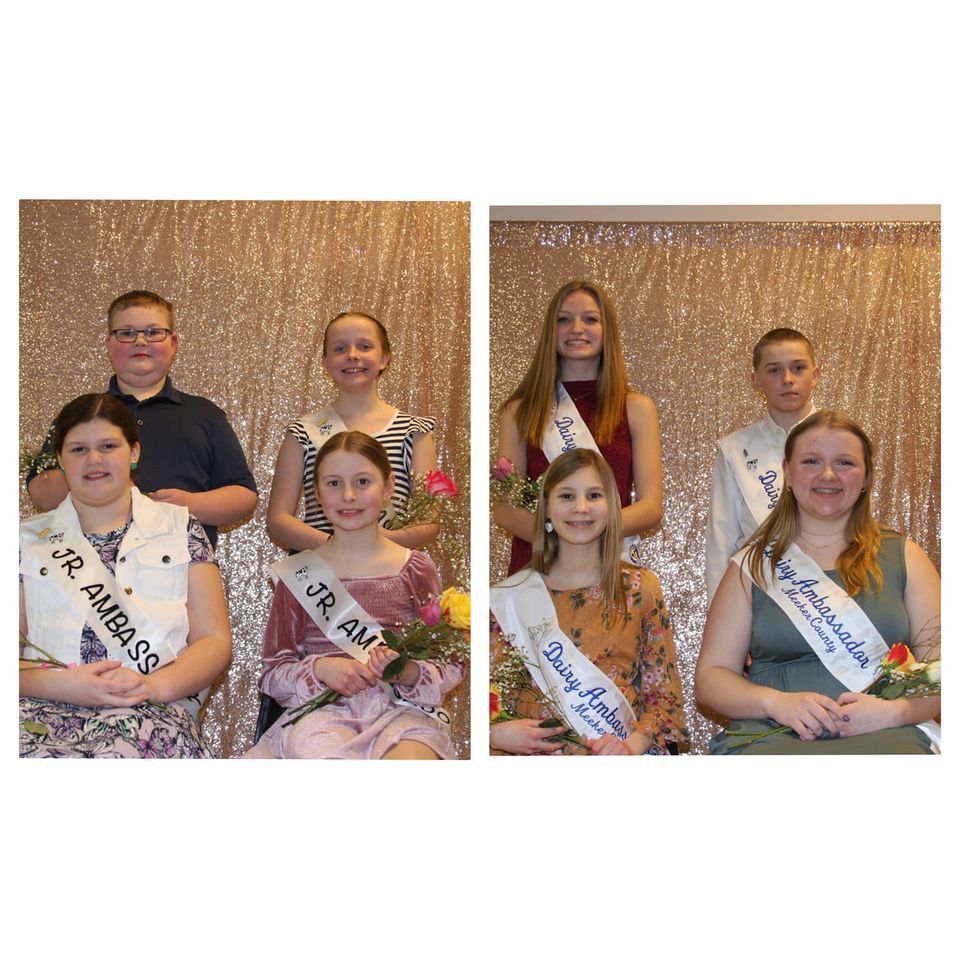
x=391 y=583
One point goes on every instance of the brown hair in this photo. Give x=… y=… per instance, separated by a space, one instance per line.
x=353 y=441
x=94 y=406
x=139 y=298
x=537 y=392
x=381 y=333
x=857 y=566
x=546 y=545
x=779 y=335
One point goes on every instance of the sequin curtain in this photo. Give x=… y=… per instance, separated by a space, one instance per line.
x=692 y=299
x=254 y=284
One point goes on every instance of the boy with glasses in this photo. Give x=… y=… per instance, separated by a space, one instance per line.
x=190 y=455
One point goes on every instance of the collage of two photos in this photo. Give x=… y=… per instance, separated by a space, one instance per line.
x=245 y=480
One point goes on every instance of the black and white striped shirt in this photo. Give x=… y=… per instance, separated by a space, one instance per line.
x=397 y=439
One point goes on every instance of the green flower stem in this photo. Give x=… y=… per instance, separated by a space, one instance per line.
x=49 y=657
x=754 y=737
x=321 y=700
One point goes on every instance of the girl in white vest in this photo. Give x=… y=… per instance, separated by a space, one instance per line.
x=121 y=602
x=836 y=591
x=594 y=631
x=356 y=353
x=574 y=395
x=323 y=633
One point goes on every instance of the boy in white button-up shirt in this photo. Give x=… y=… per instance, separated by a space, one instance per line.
x=747 y=471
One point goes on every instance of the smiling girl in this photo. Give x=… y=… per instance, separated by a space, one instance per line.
x=831 y=592
x=575 y=394
x=594 y=631
x=121 y=605
x=356 y=352
x=361 y=578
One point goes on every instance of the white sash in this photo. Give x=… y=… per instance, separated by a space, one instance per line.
x=324 y=424
x=591 y=702
x=338 y=615
x=123 y=628
x=832 y=623
x=566 y=430
x=127 y=631
x=758 y=472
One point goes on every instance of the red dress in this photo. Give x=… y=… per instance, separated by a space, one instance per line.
x=618 y=453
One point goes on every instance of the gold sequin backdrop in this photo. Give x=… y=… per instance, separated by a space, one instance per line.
x=254 y=284
x=692 y=299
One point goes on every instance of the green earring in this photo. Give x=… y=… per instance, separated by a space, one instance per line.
x=133 y=464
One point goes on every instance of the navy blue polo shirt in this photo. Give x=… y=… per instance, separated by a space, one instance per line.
x=186 y=442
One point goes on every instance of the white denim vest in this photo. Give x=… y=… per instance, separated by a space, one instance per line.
x=152 y=567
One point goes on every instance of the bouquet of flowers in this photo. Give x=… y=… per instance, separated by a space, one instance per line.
x=426 y=502
x=900 y=674
x=509 y=678
x=441 y=632
x=507 y=486
x=38 y=462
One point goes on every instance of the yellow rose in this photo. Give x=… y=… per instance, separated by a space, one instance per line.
x=933 y=671
x=456 y=608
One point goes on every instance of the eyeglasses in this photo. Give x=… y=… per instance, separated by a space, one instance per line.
x=150 y=334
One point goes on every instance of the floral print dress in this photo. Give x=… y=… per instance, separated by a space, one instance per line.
x=49 y=728
x=636 y=653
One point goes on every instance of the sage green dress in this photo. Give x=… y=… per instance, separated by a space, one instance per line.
x=782 y=659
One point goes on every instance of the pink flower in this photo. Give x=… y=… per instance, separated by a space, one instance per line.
x=502 y=469
x=439 y=485
x=431 y=612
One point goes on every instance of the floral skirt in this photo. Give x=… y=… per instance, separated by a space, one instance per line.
x=49 y=728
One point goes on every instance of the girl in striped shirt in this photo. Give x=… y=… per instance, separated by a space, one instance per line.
x=356 y=352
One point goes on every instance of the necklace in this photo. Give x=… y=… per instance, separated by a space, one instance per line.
x=822 y=546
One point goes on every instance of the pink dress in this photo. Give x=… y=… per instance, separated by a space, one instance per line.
x=368 y=724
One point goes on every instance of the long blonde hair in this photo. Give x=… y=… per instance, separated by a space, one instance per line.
x=546 y=544
x=857 y=566
x=537 y=392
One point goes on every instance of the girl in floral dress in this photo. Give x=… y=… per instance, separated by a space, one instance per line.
x=389 y=583
x=122 y=612
x=613 y=613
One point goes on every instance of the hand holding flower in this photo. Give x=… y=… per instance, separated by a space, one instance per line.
x=382 y=655
x=344 y=675
x=866 y=714
x=808 y=714
x=105 y=683
x=524 y=737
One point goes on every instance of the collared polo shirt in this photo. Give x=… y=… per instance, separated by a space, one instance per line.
x=186 y=442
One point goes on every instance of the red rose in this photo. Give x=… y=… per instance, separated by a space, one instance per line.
x=494 y=703
x=897 y=656
x=439 y=485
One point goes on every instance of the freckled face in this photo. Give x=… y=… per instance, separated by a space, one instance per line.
x=827 y=473
x=96 y=462
x=578 y=507
x=579 y=327
x=351 y=490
